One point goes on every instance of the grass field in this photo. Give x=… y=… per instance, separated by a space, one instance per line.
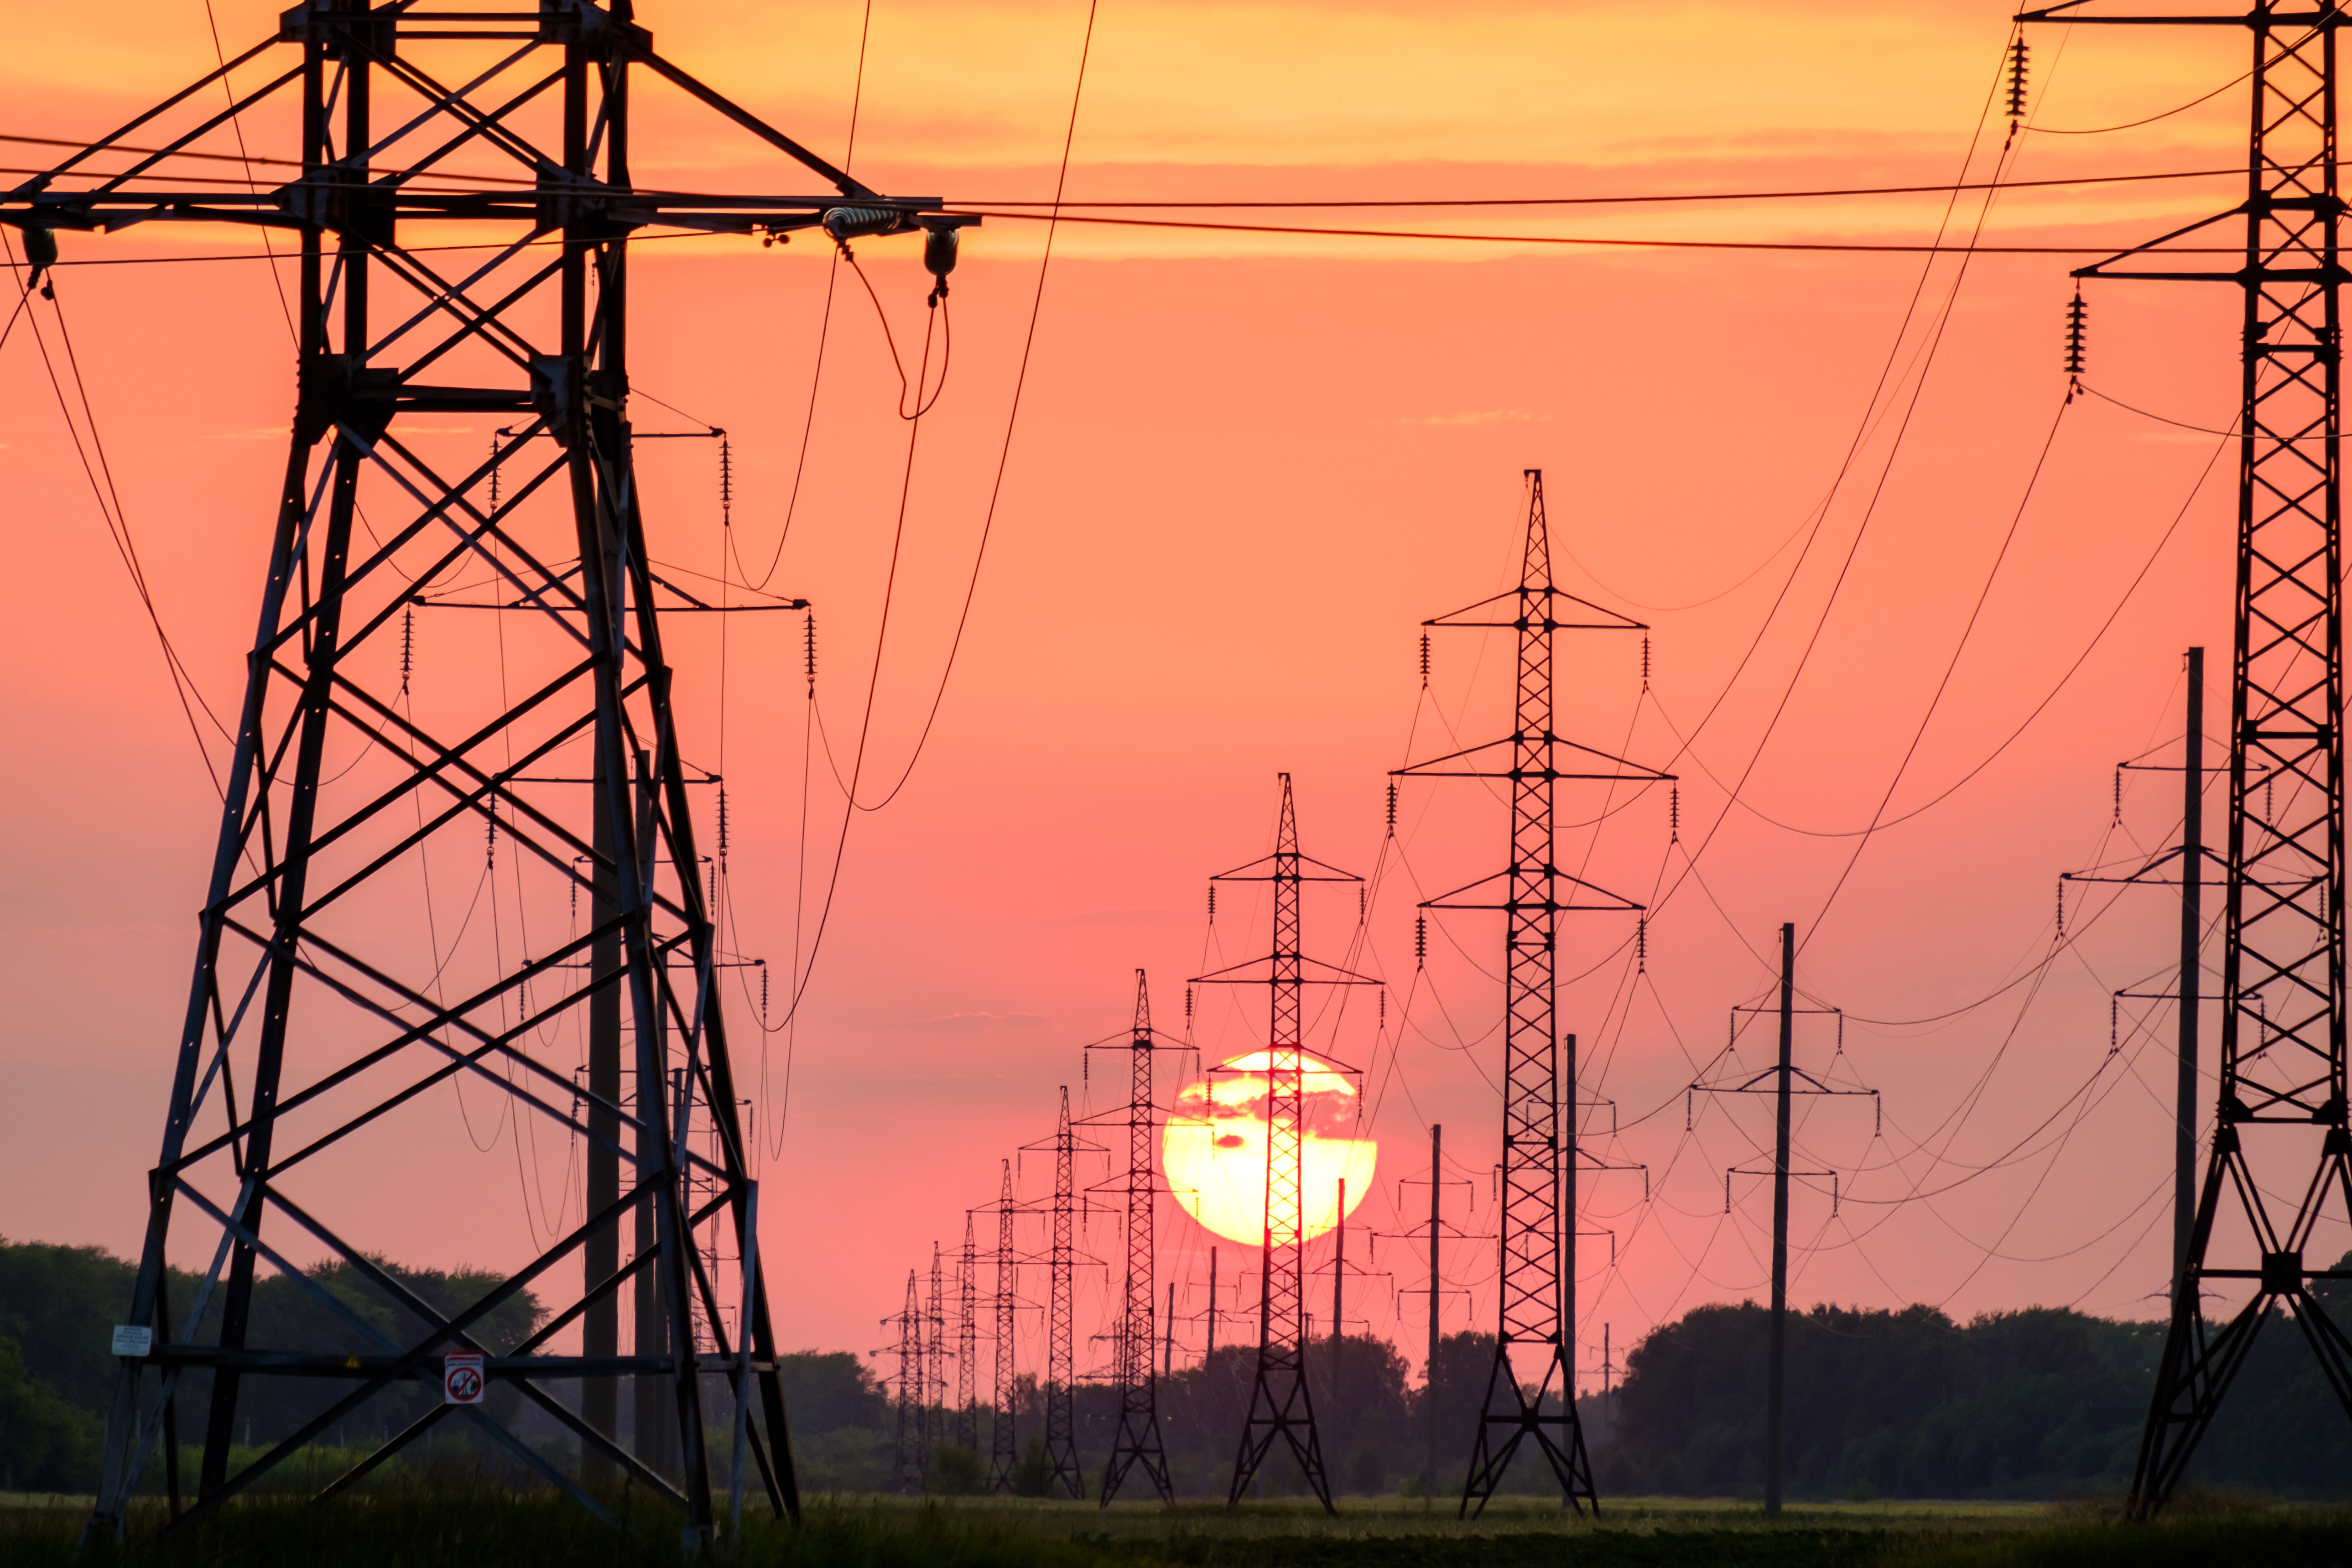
x=427 y=1530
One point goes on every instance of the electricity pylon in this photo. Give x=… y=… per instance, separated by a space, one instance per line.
x=325 y=1019
x=1279 y=1406
x=967 y=1419
x=1537 y=1294
x=935 y=1356
x=2281 y=1162
x=1137 y=1440
x=1003 y=1454
x=1060 y=1389
x=912 y=1463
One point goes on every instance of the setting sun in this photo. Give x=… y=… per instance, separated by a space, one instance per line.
x=1214 y=1150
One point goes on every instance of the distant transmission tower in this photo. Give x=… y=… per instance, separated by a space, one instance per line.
x=1137 y=1440
x=1538 y=1306
x=935 y=1357
x=325 y=1022
x=1061 y=1363
x=1003 y=1452
x=2281 y=1152
x=967 y=1419
x=912 y=1462
x=1279 y=1407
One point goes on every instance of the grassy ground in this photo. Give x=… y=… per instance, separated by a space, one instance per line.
x=423 y=1530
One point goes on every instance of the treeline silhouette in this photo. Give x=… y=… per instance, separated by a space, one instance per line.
x=2045 y=1403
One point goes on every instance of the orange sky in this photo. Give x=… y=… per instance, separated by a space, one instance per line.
x=1247 y=467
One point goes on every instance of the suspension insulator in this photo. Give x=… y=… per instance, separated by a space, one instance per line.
x=2017 y=57
x=40 y=255
x=764 y=991
x=2077 y=323
x=809 y=629
x=722 y=823
x=2062 y=906
x=1425 y=659
x=845 y=224
x=1212 y=903
x=1360 y=906
x=1674 y=813
x=491 y=839
x=1392 y=808
x=726 y=483
x=1188 y=1003
x=1645 y=661
x=407 y=643
x=1642 y=945
x=1419 y=940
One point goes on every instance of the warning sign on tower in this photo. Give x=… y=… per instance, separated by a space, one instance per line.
x=463 y=1381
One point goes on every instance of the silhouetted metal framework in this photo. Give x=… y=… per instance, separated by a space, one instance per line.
x=2282 y=1156
x=1060 y=1390
x=1137 y=1439
x=912 y=1460
x=320 y=1019
x=1537 y=1282
x=1783 y=1083
x=935 y=1356
x=1003 y=1453
x=1279 y=1407
x=967 y=1417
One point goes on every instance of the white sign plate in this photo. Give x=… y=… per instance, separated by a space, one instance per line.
x=463 y=1381
x=133 y=1342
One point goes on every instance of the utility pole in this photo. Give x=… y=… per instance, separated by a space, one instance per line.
x=1436 y=1298
x=1777 y=1377
x=1338 y=1283
x=308 y=1028
x=2192 y=944
x=1437 y=1292
x=2282 y=1068
x=1280 y=1405
x=1537 y=1240
x=2189 y=995
x=1212 y=1354
x=1783 y=1081
x=1137 y=1440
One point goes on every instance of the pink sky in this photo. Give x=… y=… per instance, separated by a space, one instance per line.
x=1246 y=469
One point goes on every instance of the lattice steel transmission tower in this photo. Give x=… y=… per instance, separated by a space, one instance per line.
x=322 y=1018
x=1279 y=1407
x=935 y=1356
x=1003 y=1454
x=1060 y=1385
x=967 y=1419
x=912 y=1461
x=2280 y=1163
x=1538 y=1279
x=1137 y=1440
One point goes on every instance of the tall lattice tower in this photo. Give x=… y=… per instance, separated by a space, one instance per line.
x=912 y=1460
x=2280 y=1160
x=1279 y=1408
x=1537 y=1319
x=327 y=1017
x=1003 y=1451
x=935 y=1355
x=1060 y=1388
x=1137 y=1440
x=967 y=1417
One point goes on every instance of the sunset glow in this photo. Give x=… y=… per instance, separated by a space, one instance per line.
x=1214 y=1148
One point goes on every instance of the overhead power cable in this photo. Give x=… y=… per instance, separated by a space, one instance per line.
x=1638 y=199
x=1605 y=242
